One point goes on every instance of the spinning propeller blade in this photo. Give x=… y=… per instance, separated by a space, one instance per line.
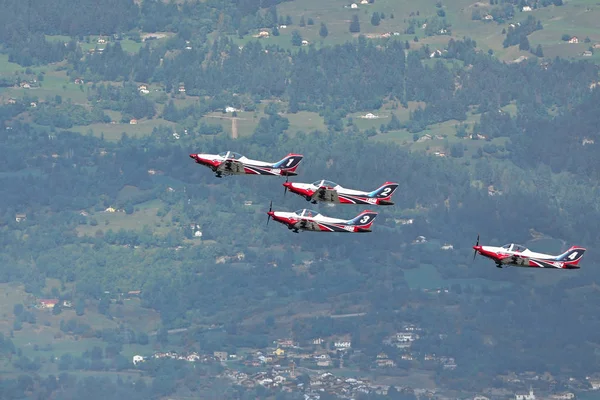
x=270 y=209
x=475 y=251
x=287 y=179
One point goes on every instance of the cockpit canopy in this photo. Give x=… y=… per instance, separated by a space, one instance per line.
x=306 y=213
x=514 y=247
x=230 y=155
x=323 y=182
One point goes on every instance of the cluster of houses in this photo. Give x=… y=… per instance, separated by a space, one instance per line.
x=288 y=367
x=49 y=304
x=346 y=388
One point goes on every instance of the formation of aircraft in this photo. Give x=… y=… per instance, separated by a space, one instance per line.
x=232 y=163
x=516 y=255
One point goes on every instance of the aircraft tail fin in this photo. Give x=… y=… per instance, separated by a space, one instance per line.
x=289 y=164
x=384 y=193
x=364 y=220
x=572 y=257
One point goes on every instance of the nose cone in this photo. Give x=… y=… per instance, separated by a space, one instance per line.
x=271 y=213
x=288 y=185
x=477 y=248
x=193 y=156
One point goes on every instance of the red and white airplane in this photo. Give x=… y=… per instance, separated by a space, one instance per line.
x=309 y=220
x=519 y=256
x=331 y=192
x=231 y=163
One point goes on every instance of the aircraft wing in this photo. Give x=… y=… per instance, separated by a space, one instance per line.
x=231 y=167
x=326 y=194
x=307 y=225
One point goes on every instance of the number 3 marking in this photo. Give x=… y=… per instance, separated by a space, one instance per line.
x=364 y=219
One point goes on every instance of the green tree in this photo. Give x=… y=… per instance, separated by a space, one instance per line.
x=79 y=307
x=162 y=336
x=142 y=338
x=128 y=208
x=524 y=43
x=296 y=38
x=302 y=23
x=323 y=32
x=354 y=24
x=104 y=305
x=375 y=19
x=18 y=309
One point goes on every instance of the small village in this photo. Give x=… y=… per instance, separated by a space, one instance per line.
x=328 y=365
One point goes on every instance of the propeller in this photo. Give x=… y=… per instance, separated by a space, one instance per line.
x=475 y=251
x=287 y=179
x=270 y=209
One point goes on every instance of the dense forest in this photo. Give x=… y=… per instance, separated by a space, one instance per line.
x=491 y=321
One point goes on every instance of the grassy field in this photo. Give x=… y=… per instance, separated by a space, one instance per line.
x=114 y=131
x=54 y=83
x=145 y=215
x=8 y=68
x=128 y=45
x=45 y=340
x=576 y=17
x=247 y=121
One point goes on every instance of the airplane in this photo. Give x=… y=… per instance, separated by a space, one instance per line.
x=331 y=192
x=519 y=256
x=309 y=220
x=231 y=163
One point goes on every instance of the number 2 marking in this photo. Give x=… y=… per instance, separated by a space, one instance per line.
x=386 y=191
x=290 y=161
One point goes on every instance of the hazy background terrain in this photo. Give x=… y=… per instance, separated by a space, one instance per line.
x=115 y=244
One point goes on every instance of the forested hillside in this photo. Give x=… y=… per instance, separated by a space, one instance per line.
x=134 y=240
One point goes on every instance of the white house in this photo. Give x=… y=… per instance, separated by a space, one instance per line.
x=137 y=359
x=529 y=396
x=342 y=345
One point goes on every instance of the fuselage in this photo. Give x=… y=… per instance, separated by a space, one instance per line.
x=214 y=160
x=232 y=163
x=520 y=256
x=330 y=192
x=309 y=220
